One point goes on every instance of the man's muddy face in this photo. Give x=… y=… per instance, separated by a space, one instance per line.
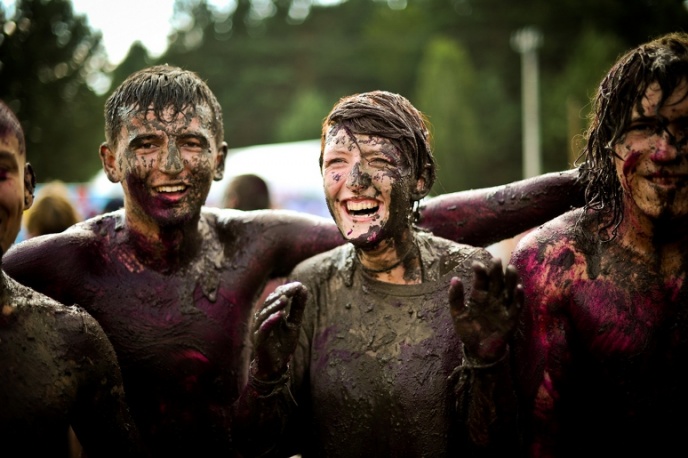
x=651 y=160
x=166 y=167
x=367 y=186
x=11 y=189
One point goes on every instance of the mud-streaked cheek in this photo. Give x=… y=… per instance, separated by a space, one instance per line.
x=627 y=166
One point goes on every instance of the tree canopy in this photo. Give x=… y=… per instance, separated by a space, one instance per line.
x=277 y=66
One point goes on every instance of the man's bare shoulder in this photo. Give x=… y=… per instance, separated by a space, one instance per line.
x=554 y=254
x=564 y=229
x=80 y=236
x=45 y=262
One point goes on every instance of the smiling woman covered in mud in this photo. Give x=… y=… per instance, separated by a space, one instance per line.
x=388 y=359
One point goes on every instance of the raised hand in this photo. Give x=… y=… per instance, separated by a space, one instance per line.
x=276 y=331
x=487 y=319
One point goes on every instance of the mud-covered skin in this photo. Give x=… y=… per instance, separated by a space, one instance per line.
x=58 y=368
x=372 y=372
x=179 y=329
x=511 y=209
x=607 y=336
x=171 y=283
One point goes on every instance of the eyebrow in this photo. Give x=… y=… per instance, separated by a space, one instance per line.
x=143 y=137
x=9 y=157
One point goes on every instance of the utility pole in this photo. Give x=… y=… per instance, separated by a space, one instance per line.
x=526 y=41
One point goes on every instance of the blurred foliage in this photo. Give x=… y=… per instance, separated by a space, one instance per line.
x=277 y=66
x=46 y=55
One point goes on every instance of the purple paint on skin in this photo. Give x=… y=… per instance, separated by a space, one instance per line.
x=631 y=162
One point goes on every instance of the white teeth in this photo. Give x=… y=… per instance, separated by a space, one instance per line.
x=357 y=206
x=170 y=188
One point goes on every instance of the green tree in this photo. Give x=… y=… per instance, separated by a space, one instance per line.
x=47 y=55
x=567 y=95
x=303 y=119
x=446 y=85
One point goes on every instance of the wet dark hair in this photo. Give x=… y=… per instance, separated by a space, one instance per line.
x=388 y=115
x=10 y=125
x=664 y=61
x=161 y=86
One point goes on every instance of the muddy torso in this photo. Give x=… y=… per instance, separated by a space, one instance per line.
x=39 y=383
x=374 y=358
x=57 y=369
x=613 y=342
x=179 y=334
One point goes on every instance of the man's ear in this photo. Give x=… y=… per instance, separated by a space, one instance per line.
x=220 y=161
x=29 y=185
x=108 y=159
x=423 y=185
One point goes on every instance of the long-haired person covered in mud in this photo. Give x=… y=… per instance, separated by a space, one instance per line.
x=172 y=282
x=389 y=359
x=605 y=338
x=58 y=367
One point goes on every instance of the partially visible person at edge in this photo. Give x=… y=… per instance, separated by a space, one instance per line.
x=52 y=211
x=58 y=367
x=381 y=355
x=604 y=343
x=173 y=283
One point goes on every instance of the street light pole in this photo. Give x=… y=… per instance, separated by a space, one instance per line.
x=526 y=41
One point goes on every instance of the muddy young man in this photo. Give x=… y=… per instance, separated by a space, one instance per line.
x=605 y=341
x=387 y=362
x=172 y=283
x=58 y=367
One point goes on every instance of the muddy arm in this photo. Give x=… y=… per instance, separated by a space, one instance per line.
x=481 y=217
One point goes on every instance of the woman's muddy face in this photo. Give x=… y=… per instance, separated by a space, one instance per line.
x=12 y=163
x=368 y=186
x=167 y=166
x=651 y=159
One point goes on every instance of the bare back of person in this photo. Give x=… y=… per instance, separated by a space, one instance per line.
x=61 y=367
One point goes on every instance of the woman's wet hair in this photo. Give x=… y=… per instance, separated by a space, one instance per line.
x=663 y=61
x=160 y=87
x=389 y=115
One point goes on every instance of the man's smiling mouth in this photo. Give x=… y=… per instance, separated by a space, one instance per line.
x=170 y=189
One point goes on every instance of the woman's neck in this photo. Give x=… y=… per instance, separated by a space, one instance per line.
x=393 y=261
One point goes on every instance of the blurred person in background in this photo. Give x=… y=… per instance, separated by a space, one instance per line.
x=247 y=192
x=173 y=282
x=58 y=367
x=113 y=204
x=52 y=211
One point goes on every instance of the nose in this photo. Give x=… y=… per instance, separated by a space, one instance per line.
x=666 y=147
x=171 y=160
x=358 y=179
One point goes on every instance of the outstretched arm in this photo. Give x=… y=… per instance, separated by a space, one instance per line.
x=485 y=322
x=481 y=217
